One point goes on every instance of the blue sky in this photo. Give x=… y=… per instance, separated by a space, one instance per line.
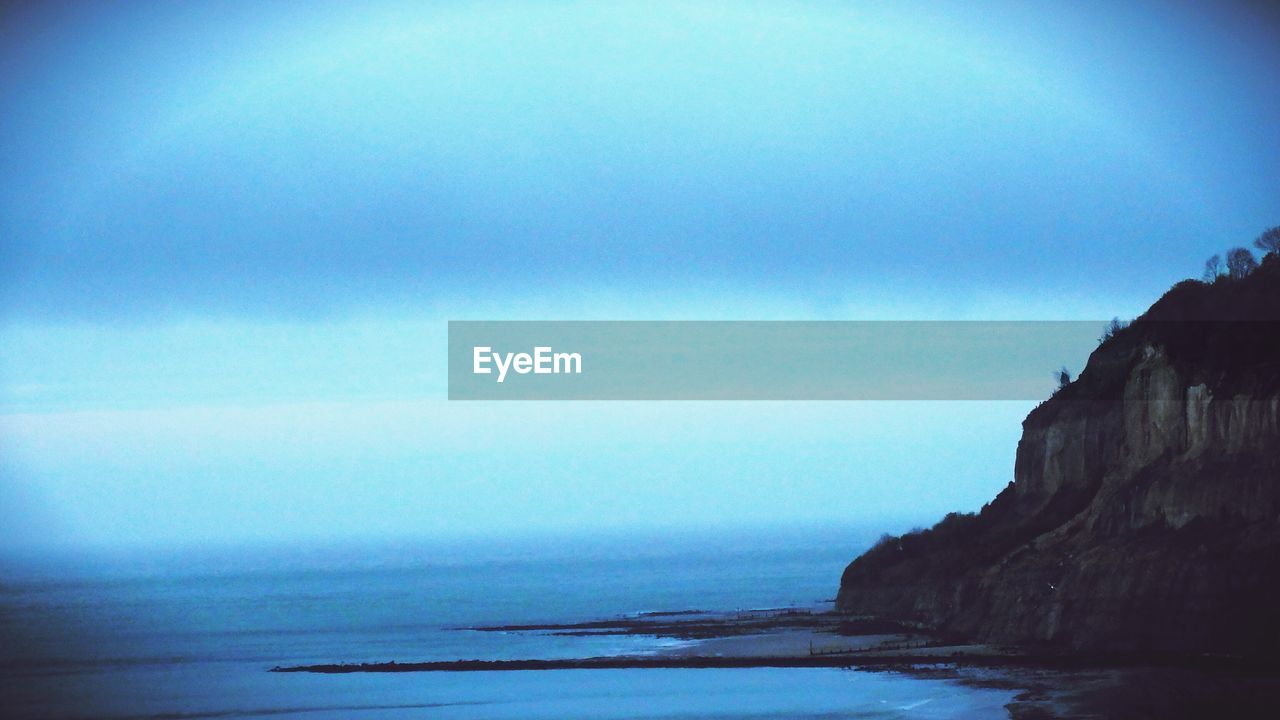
x=233 y=233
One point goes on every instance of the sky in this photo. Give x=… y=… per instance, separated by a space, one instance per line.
x=232 y=233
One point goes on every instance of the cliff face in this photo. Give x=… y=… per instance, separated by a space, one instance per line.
x=1144 y=514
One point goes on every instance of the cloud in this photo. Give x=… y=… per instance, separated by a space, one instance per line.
x=325 y=159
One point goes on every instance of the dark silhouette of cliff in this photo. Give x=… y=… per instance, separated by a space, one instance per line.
x=1144 y=514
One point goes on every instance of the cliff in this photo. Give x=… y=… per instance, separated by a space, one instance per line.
x=1144 y=513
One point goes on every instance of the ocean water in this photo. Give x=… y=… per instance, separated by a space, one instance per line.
x=192 y=634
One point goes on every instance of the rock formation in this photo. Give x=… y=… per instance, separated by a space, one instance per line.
x=1144 y=514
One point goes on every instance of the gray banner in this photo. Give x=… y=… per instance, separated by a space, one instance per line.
x=763 y=360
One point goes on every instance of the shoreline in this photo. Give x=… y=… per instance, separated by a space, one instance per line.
x=847 y=661
x=792 y=638
x=707 y=625
x=1049 y=684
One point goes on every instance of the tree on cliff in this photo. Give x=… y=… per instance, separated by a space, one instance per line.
x=1063 y=376
x=1269 y=241
x=1113 y=327
x=1212 y=268
x=1240 y=262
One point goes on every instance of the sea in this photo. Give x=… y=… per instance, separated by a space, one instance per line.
x=177 y=634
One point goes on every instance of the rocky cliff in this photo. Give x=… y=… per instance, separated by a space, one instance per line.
x=1144 y=514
